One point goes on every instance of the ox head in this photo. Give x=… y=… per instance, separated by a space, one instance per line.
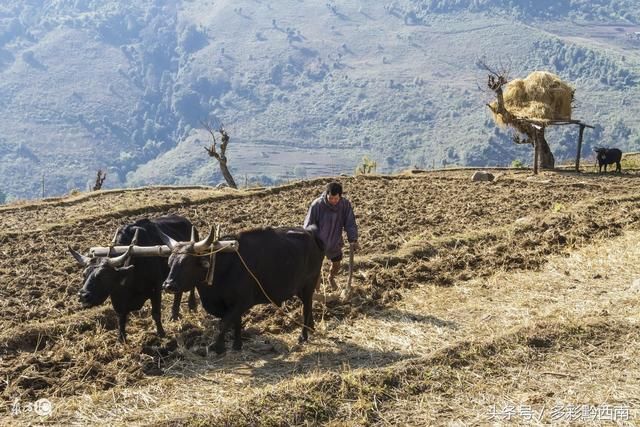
x=188 y=262
x=600 y=152
x=102 y=275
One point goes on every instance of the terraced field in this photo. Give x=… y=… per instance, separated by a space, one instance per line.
x=511 y=301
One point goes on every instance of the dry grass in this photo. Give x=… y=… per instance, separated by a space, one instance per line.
x=630 y=161
x=48 y=214
x=540 y=96
x=496 y=293
x=527 y=340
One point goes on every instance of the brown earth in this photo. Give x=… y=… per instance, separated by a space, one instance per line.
x=424 y=234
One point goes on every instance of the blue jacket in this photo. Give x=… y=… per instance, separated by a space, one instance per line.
x=331 y=220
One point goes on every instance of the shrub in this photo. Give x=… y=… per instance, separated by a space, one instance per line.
x=367 y=166
x=630 y=161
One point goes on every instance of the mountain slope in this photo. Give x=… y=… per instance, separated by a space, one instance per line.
x=124 y=88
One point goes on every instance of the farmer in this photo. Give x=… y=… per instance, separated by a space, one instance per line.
x=332 y=213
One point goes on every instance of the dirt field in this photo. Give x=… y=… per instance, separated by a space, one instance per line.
x=511 y=302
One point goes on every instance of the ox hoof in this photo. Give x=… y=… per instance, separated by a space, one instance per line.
x=218 y=348
x=162 y=333
x=237 y=346
x=302 y=339
x=176 y=317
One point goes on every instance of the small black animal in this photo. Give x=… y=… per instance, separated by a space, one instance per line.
x=607 y=156
x=130 y=281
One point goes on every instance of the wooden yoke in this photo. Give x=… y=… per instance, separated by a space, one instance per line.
x=157 y=250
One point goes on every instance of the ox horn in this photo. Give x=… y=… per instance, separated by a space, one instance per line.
x=115 y=237
x=134 y=242
x=82 y=260
x=119 y=260
x=204 y=244
x=167 y=240
x=114 y=240
x=193 y=234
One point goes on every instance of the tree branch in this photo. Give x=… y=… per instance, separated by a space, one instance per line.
x=220 y=156
x=212 y=152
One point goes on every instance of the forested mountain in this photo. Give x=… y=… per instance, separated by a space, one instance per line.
x=303 y=87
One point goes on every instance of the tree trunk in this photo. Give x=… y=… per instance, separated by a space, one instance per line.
x=579 y=148
x=536 y=155
x=227 y=175
x=506 y=116
x=547 y=161
x=500 y=97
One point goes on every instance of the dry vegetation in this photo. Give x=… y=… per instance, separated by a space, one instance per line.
x=470 y=297
x=541 y=96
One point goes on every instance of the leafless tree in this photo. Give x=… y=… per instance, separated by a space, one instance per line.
x=99 y=180
x=532 y=133
x=220 y=156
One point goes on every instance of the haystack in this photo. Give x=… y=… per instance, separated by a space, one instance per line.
x=541 y=96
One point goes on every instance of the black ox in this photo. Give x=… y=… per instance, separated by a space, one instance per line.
x=286 y=261
x=607 y=156
x=130 y=281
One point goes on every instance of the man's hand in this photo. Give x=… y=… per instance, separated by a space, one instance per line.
x=354 y=246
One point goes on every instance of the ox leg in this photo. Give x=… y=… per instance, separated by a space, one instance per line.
x=192 y=300
x=156 y=307
x=175 y=308
x=237 y=334
x=122 y=325
x=618 y=167
x=231 y=317
x=307 y=313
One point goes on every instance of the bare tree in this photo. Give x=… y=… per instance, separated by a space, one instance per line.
x=99 y=180
x=221 y=156
x=532 y=133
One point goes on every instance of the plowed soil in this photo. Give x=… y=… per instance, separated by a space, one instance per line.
x=428 y=234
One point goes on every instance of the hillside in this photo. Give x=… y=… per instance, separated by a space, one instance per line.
x=470 y=298
x=304 y=88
